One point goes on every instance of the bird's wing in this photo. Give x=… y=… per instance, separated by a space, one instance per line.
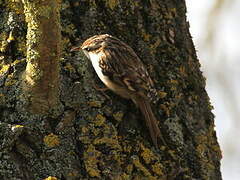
x=125 y=68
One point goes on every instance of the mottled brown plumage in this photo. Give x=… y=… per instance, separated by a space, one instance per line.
x=122 y=71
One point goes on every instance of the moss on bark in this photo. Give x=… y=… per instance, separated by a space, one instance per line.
x=93 y=137
x=41 y=79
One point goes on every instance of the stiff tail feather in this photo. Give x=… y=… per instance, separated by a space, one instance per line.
x=151 y=121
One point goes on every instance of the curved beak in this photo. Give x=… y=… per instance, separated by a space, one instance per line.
x=75 y=49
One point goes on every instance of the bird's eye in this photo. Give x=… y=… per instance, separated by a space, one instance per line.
x=87 y=49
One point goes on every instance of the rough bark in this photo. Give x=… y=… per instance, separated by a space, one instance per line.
x=41 y=77
x=92 y=137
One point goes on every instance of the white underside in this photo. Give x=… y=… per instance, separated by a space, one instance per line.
x=114 y=87
x=95 y=62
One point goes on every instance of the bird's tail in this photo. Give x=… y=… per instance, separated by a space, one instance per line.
x=151 y=121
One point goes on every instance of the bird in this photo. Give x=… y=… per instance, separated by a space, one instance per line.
x=122 y=71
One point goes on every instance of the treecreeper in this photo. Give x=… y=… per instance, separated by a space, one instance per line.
x=122 y=71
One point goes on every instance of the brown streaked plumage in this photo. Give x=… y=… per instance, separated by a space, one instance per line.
x=120 y=69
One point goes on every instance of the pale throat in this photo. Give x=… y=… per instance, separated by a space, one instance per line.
x=86 y=54
x=95 y=62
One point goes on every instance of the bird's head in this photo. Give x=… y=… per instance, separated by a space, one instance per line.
x=93 y=45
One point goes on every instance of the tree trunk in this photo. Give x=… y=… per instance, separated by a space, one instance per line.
x=41 y=78
x=68 y=129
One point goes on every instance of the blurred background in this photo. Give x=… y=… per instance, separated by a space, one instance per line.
x=215 y=28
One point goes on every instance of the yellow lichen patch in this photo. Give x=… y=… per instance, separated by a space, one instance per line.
x=85 y=139
x=108 y=141
x=182 y=70
x=118 y=116
x=201 y=152
x=173 y=154
x=173 y=11
x=21 y=45
x=155 y=45
x=92 y=3
x=91 y=159
x=100 y=119
x=85 y=130
x=59 y=2
x=146 y=37
x=127 y=148
x=44 y=11
x=3 y=47
x=4 y=69
x=129 y=168
x=73 y=174
x=178 y=96
x=10 y=82
x=147 y=154
x=201 y=139
x=124 y=176
x=207 y=140
x=3 y=36
x=162 y=94
x=172 y=81
x=165 y=109
x=217 y=150
x=70 y=68
x=163 y=148
x=157 y=168
x=16 y=6
x=69 y=29
x=97 y=104
x=141 y=167
x=168 y=15
x=51 y=140
x=66 y=44
x=96 y=131
x=51 y=178
x=3 y=40
x=17 y=61
x=112 y=3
